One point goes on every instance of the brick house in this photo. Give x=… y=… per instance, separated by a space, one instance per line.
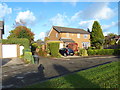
x=69 y=35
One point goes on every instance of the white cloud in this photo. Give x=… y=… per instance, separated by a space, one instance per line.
x=41 y=36
x=98 y=10
x=4 y=10
x=26 y=17
x=7 y=29
x=86 y=24
x=106 y=33
x=106 y=27
x=59 y=20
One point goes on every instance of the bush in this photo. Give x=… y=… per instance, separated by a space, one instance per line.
x=91 y=47
x=104 y=52
x=83 y=52
x=54 y=49
x=21 y=41
x=42 y=53
x=28 y=57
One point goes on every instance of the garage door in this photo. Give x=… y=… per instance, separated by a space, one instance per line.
x=9 y=51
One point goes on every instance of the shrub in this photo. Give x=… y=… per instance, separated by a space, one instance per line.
x=21 y=41
x=54 y=49
x=104 y=52
x=42 y=53
x=83 y=52
x=91 y=47
x=28 y=57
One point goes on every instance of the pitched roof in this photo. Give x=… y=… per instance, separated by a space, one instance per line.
x=2 y=26
x=69 y=30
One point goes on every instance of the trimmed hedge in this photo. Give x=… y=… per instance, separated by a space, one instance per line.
x=54 y=49
x=22 y=41
x=103 y=52
x=83 y=52
x=28 y=57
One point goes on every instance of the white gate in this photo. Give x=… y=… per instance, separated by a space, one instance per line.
x=9 y=51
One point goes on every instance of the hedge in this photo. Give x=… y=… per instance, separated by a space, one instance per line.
x=83 y=52
x=54 y=49
x=28 y=57
x=103 y=52
x=22 y=41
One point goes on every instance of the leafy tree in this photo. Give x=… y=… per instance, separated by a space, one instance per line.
x=21 y=32
x=109 y=39
x=97 y=37
x=111 y=34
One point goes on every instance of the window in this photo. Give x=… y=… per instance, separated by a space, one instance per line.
x=56 y=34
x=67 y=34
x=85 y=44
x=85 y=36
x=78 y=35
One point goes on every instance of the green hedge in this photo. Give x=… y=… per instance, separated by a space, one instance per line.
x=28 y=56
x=103 y=52
x=54 y=49
x=83 y=52
x=21 y=41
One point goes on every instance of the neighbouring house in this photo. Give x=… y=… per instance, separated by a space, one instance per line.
x=69 y=35
x=1 y=29
x=1 y=33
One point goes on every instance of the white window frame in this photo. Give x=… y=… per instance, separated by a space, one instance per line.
x=56 y=35
x=67 y=34
x=85 y=36
x=78 y=35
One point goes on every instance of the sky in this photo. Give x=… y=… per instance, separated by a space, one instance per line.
x=41 y=16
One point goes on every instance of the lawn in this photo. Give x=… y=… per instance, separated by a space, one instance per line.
x=104 y=76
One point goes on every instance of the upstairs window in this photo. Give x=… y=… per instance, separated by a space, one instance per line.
x=67 y=34
x=78 y=35
x=56 y=35
x=85 y=36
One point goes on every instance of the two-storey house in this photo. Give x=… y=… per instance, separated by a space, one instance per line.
x=70 y=35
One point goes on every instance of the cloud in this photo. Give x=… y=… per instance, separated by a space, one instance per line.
x=59 y=20
x=98 y=10
x=106 y=33
x=106 y=27
x=4 y=10
x=86 y=24
x=41 y=36
x=26 y=17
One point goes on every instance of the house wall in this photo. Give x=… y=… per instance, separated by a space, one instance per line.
x=52 y=35
x=74 y=37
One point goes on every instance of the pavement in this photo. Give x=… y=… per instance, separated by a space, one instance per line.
x=20 y=75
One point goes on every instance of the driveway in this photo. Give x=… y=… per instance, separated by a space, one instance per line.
x=4 y=61
x=27 y=74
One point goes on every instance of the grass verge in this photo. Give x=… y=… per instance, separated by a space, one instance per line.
x=104 y=76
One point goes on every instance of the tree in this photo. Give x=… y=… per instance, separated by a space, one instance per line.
x=97 y=37
x=21 y=32
x=88 y=30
